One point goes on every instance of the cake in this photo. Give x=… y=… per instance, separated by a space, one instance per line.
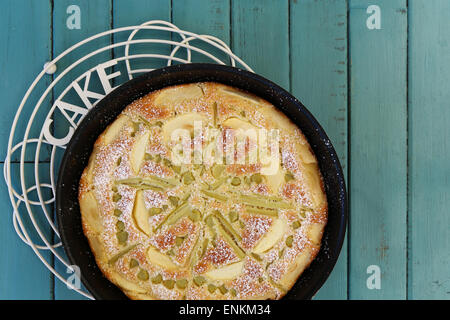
x=202 y=191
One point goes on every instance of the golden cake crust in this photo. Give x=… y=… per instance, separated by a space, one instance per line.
x=164 y=231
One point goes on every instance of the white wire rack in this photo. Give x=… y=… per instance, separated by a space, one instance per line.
x=34 y=148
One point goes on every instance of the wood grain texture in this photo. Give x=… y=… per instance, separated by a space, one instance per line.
x=378 y=150
x=301 y=45
x=204 y=17
x=136 y=12
x=260 y=36
x=95 y=18
x=318 y=50
x=22 y=275
x=22 y=56
x=429 y=150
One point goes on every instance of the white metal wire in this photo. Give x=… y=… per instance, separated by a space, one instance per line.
x=22 y=185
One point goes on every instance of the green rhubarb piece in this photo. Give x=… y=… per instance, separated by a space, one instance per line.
x=236 y=181
x=157 y=279
x=122 y=237
x=154 y=211
x=296 y=224
x=120 y=254
x=181 y=283
x=133 y=263
x=256 y=178
x=143 y=275
x=233 y=216
x=223 y=289
x=120 y=225
x=289 y=241
x=174 y=200
x=169 y=284
x=211 y=288
x=188 y=178
x=214 y=195
x=199 y=281
x=227 y=226
x=217 y=170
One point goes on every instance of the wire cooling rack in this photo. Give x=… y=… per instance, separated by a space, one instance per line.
x=54 y=105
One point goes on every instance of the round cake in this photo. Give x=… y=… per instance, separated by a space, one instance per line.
x=202 y=191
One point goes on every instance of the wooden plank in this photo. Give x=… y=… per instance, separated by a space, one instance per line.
x=95 y=18
x=136 y=12
x=204 y=17
x=22 y=274
x=260 y=36
x=378 y=150
x=318 y=35
x=26 y=46
x=429 y=150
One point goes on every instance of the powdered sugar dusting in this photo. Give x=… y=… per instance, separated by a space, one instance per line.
x=112 y=163
x=154 y=199
x=150 y=167
x=255 y=228
x=248 y=284
x=220 y=254
x=296 y=191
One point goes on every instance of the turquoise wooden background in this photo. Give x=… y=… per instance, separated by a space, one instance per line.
x=382 y=95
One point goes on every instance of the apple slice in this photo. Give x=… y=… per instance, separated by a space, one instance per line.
x=176 y=95
x=241 y=94
x=114 y=129
x=228 y=272
x=138 y=151
x=126 y=284
x=236 y=124
x=274 y=181
x=140 y=213
x=185 y=121
x=160 y=259
x=276 y=117
x=89 y=207
x=274 y=234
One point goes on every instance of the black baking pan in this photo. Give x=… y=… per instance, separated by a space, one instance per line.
x=98 y=118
